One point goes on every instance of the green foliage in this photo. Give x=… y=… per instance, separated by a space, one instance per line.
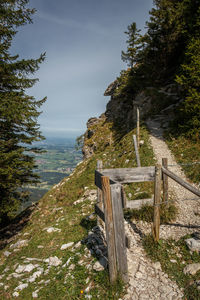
x=187 y=153
x=19 y=111
x=189 y=79
x=159 y=100
x=167 y=53
x=79 y=142
x=57 y=209
x=129 y=84
x=134 y=45
x=146 y=212
x=171 y=26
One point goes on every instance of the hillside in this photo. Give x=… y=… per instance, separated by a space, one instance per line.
x=54 y=249
x=36 y=257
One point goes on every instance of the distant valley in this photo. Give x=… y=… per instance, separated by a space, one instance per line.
x=58 y=161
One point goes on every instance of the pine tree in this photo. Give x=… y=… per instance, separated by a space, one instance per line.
x=188 y=115
x=172 y=24
x=167 y=53
x=134 y=45
x=18 y=111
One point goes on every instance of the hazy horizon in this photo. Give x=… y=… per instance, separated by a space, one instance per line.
x=83 y=41
x=62 y=134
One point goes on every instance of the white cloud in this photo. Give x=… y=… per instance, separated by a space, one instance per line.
x=92 y=27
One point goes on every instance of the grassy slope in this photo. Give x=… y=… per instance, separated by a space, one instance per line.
x=186 y=152
x=65 y=283
x=56 y=209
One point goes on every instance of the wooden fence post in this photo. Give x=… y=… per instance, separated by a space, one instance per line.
x=120 y=240
x=123 y=195
x=99 y=193
x=136 y=151
x=165 y=182
x=157 y=194
x=138 y=127
x=109 y=225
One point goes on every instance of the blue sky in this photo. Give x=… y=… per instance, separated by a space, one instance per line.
x=83 y=40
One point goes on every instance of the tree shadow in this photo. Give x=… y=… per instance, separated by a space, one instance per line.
x=8 y=233
x=183 y=225
x=87 y=223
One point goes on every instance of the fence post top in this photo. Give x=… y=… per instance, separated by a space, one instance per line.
x=158 y=166
x=115 y=185
x=99 y=163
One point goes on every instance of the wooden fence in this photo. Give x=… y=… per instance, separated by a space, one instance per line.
x=109 y=208
x=111 y=200
x=163 y=173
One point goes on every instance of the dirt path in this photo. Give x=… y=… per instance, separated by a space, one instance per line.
x=188 y=219
x=147 y=281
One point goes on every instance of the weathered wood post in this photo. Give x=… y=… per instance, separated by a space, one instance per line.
x=109 y=225
x=123 y=196
x=165 y=182
x=99 y=193
x=138 y=127
x=120 y=239
x=136 y=151
x=157 y=194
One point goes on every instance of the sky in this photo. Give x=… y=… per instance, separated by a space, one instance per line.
x=83 y=40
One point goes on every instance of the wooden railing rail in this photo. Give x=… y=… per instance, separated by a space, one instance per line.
x=112 y=199
x=126 y=175
x=179 y=180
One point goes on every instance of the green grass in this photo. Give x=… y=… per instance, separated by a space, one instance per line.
x=186 y=151
x=64 y=283
x=177 y=251
x=167 y=214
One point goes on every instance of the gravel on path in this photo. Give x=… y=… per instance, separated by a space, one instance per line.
x=188 y=219
x=146 y=279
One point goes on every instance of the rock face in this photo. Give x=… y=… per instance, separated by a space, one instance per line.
x=88 y=151
x=25 y=268
x=19 y=244
x=65 y=246
x=111 y=88
x=21 y=287
x=193 y=244
x=98 y=267
x=53 y=261
x=7 y=253
x=143 y=102
x=124 y=110
x=52 y=229
x=192 y=269
x=90 y=146
x=92 y=121
x=121 y=110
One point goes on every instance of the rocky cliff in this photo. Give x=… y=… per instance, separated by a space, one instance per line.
x=121 y=112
